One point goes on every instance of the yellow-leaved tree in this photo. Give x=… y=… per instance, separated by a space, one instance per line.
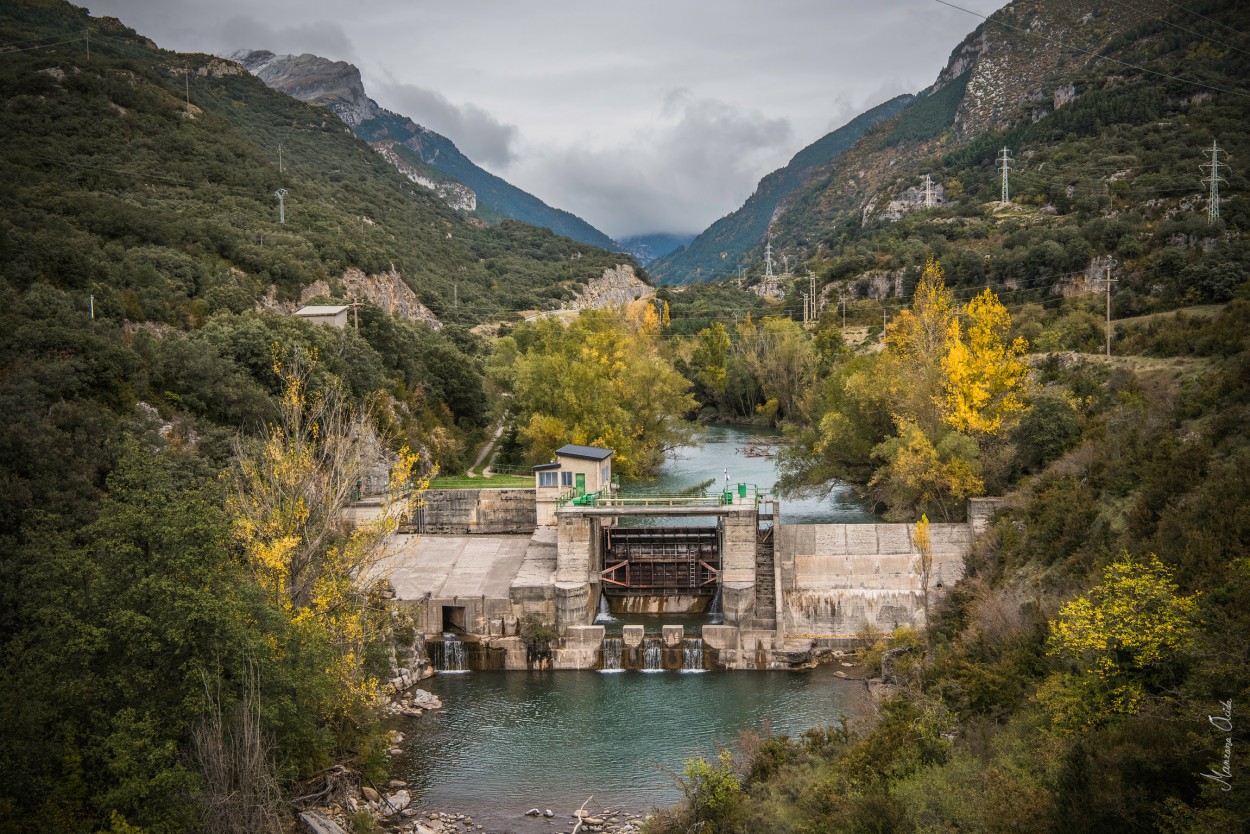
x=917 y=342
x=288 y=499
x=985 y=376
x=1120 y=639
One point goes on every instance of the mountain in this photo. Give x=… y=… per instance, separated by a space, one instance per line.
x=336 y=85
x=720 y=250
x=646 y=248
x=1106 y=111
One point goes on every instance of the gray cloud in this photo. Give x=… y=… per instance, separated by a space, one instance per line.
x=482 y=137
x=679 y=173
x=639 y=115
x=320 y=37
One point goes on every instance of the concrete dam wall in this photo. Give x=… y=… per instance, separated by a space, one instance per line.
x=461 y=512
x=839 y=580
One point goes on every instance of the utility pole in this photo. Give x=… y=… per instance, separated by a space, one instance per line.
x=768 y=260
x=455 y=294
x=929 y=199
x=811 y=278
x=356 y=313
x=281 y=195
x=805 y=303
x=91 y=304
x=1005 y=165
x=1108 y=282
x=1213 y=180
x=280 y=169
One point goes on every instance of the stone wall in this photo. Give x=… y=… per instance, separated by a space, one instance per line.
x=840 y=579
x=458 y=512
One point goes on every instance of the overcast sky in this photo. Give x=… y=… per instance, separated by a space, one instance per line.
x=638 y=115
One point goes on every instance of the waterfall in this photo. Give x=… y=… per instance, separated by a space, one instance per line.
x=451 y=657
x=612 y=650
x=652 y=654
x=605 y=610
x=715 y=614
x=692 y=654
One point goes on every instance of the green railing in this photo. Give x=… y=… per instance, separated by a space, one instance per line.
x=735 y=494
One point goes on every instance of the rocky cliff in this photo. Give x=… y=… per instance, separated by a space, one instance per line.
x=334 y=85
x=455 y=194
x=617 y=286
x=385 y=290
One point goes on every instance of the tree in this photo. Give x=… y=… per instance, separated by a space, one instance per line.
x=919 y=476
x=985 y=377
x=287 y=499
x=597 y=382
x=918 y=342
x=708 y=361
x=924 y=563
x=1120 y=639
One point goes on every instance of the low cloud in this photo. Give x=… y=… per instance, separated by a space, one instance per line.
x=698 y=162
x=482 y=137
x=319 y=37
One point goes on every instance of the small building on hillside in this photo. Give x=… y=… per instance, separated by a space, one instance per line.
x=332 y=315
x=576 y=471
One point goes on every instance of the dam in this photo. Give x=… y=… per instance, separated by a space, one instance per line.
x=577 y=548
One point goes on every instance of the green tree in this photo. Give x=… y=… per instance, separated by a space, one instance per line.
x=598 y=382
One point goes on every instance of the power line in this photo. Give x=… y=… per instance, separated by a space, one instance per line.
x=41 y=46
x=1167 y=22
x=1204 y=17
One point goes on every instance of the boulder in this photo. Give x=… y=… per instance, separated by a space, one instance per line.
x=370 y=794
x=398 y=801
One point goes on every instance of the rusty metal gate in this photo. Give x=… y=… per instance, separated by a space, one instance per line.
x=651 y=560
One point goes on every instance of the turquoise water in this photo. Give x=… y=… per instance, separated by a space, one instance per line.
x=510 y=741
x=717 y=454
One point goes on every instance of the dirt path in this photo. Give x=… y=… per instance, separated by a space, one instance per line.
x=486 y=450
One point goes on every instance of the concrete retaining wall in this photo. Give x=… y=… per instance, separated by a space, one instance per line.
x=840 y=579
x=458 y=512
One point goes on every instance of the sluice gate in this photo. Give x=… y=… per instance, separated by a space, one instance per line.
x=660 y=560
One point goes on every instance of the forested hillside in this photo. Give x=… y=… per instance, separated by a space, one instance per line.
x=1085 y=675
x=155 y=385
x=1104 y=172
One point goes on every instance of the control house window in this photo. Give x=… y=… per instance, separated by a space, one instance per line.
x=566 y=479
x=547 y=479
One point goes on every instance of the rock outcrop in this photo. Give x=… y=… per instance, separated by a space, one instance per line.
x=616 y=286
x=334 y=85
x=455 y=194
x=385 y=290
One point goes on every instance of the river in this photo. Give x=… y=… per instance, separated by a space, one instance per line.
x=718 y=453
x=511 y=741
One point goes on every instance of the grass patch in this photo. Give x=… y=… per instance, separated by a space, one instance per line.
x=497 y=482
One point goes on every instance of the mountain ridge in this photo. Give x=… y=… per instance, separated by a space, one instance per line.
x=337 y=86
